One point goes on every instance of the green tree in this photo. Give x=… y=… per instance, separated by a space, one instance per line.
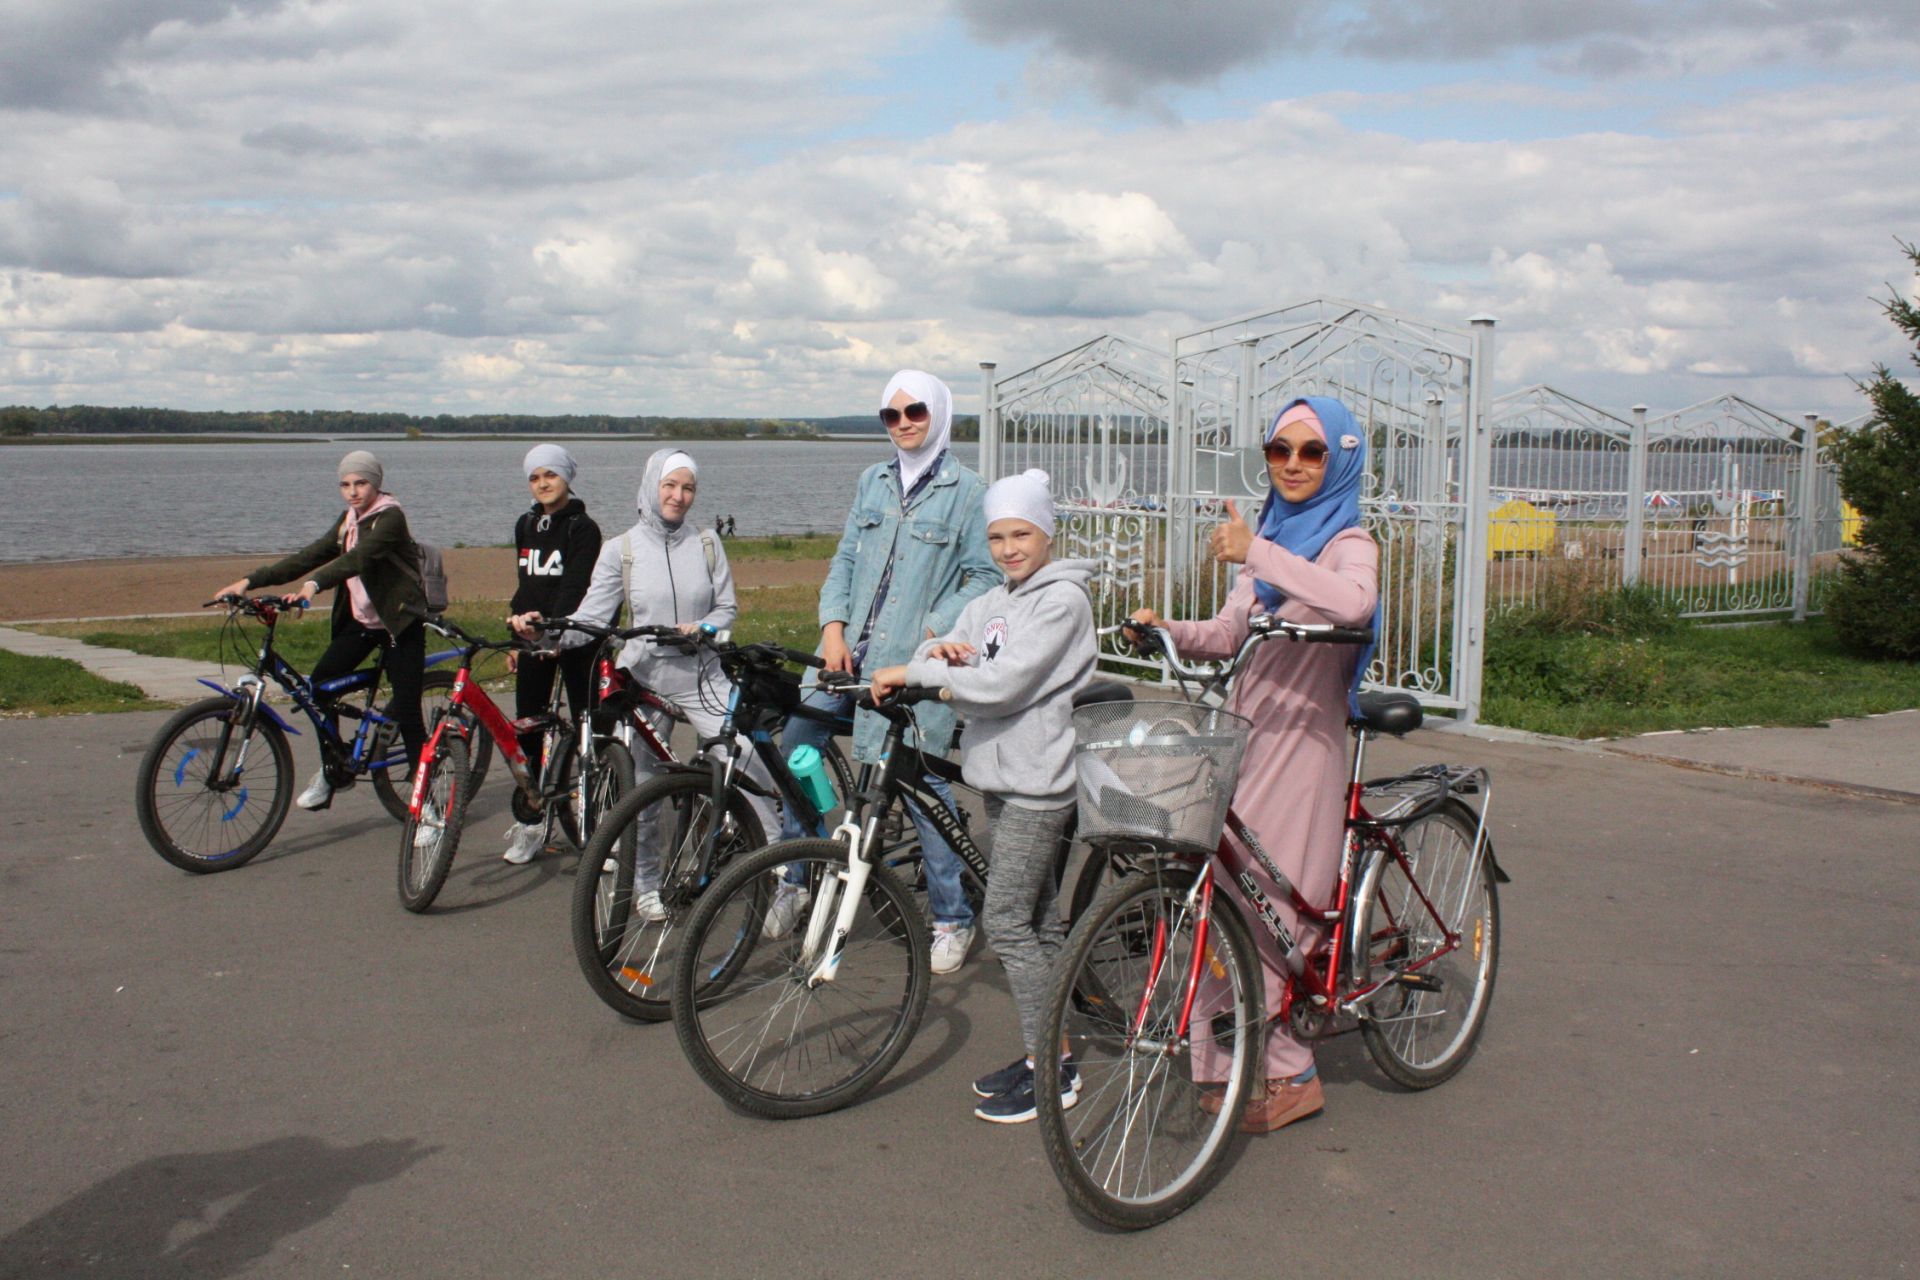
x=1876 y=604
x=16 y=421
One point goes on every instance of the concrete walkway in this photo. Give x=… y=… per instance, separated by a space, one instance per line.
x=164 y=679
x=1876 y=755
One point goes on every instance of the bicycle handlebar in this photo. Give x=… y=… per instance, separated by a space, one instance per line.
x=1150 y=640
x=255 y=605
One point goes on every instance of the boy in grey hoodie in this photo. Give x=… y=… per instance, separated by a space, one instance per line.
x=1011 y=665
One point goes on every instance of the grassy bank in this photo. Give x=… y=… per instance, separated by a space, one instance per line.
x=34 y=686
x=1689 y=677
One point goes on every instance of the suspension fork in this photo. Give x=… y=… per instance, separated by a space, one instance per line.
x=247 y=712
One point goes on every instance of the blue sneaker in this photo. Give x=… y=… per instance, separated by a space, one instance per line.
x=1019 y=1105
x=995 y=1083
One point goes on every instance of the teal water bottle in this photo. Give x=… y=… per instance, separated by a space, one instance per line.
x=810 y=771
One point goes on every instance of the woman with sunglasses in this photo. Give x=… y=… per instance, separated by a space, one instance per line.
x=913 y=553
x=1308 y=561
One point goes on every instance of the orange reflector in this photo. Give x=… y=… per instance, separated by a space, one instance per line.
x=1213 y=963
x=636 y=977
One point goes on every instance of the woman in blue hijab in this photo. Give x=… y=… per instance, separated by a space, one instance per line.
x=1307 y=560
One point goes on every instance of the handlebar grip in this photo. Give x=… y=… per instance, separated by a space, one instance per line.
x=1346 y=635
x=803 y=658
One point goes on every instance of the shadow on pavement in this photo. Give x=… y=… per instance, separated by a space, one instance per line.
x=202 y=1213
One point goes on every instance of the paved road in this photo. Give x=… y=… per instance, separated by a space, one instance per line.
x=1700 y=1061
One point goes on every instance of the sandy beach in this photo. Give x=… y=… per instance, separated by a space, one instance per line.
x=47 y=591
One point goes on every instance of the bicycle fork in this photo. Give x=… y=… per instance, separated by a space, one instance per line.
x=839 y=898
x=248 y=694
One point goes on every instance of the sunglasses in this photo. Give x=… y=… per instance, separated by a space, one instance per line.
x=1312 y=453
x=916 y=412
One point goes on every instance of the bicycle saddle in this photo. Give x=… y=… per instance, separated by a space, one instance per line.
x=1102 y=691
x=1388 y=711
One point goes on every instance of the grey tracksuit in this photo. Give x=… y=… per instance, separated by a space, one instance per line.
x=1036 y=648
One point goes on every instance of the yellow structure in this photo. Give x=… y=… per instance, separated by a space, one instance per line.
x=1849 y=524
x=1517 y=527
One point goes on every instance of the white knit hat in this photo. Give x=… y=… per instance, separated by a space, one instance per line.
x=1022 y=497
x=551 y=457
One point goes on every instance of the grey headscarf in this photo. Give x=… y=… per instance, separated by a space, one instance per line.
x=362 y=463
x=659 y=464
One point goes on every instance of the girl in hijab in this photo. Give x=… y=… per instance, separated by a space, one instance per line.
x=557 y=543
x=668 y=572
x=371 y=551
x=913 y=553
x=1309 y=561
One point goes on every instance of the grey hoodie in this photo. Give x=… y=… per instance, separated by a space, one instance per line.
x=670 y=584
x=1036 y=648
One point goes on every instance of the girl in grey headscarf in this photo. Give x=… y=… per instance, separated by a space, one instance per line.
x=669 y=572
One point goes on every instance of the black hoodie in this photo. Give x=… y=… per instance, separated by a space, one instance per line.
x=556 y=559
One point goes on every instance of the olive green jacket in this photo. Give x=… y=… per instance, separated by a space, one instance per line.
x=384 y=557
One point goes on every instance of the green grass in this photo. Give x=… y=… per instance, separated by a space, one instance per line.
x=799 y=546
x=33 y=686
x=1588 y=686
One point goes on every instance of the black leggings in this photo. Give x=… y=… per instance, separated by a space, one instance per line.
x=534 y=685
x=405 y=662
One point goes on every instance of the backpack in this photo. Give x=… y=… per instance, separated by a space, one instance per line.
x=430 y=565
x=626 y=564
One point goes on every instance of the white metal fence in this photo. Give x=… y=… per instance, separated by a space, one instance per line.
x=1478 y=504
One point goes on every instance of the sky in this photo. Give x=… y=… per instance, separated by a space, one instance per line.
x=715 y=207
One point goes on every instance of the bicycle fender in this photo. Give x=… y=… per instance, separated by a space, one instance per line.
x=285 y=725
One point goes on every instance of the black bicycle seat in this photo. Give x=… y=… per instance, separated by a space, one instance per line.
x=1388 y=711
x=1102 y=691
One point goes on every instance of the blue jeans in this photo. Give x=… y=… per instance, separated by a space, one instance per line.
x=946 y=898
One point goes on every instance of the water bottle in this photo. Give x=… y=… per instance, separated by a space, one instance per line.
x=810 y=772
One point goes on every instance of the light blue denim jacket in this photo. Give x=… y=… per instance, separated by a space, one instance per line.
x=939 y=546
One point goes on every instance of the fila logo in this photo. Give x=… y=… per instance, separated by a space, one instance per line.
x=533 y=566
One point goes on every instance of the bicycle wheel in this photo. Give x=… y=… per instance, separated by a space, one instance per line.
x=199 y=824
x=1423 y=1029
x=654 y=835
x=1149 y=1134
x=756 y=1029
x=427 y=844
x=436 y=687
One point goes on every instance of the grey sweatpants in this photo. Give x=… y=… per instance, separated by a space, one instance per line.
x=1019 y=916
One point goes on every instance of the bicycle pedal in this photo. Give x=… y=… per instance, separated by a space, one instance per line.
x=1418 y=981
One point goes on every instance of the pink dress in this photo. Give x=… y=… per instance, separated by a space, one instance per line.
x=1292 y=789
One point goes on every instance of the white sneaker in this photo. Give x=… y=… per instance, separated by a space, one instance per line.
x=430 y=826
x=950 y=945
x=524 y=842
x=789 y=903
x=648 y=908
x=318 y=792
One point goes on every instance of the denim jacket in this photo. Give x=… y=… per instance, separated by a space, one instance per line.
x=939 y=546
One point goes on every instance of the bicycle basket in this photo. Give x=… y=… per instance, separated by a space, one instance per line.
x=1159 y=771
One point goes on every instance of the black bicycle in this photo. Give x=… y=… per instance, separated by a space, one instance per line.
x=660 y=846
x=810 y=1022
x=216 y=782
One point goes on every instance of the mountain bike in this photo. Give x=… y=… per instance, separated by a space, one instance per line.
x=215 y=784
x=663 y=839
x=577 y=775
x=809 y=1023
x=1159 y=993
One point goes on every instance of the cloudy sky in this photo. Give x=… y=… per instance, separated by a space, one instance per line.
x=722 y=207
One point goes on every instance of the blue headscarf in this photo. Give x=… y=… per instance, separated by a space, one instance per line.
x=1305 y=528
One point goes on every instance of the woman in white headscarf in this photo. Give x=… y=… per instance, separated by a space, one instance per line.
x=669 y=572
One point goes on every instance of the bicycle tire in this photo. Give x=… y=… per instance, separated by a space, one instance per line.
x=629 y=963
x=754 y=1029
x=168 y=791
x=1420 y=1037
x=434 y=685
x=424 y=868
x=1140 y=1145
x=612 y=780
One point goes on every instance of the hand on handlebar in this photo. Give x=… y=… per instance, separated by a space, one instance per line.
x=525 y=625
x=888 y=681
x=238 y=588
x=1139 y=629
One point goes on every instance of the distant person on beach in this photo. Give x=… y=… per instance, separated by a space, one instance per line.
x=557 y=543
x=913 y=553
x=372 y=552
x=729 y=526
x=668 y=571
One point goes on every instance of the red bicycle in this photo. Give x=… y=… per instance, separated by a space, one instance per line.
x=1162 y=970
x=586 y=767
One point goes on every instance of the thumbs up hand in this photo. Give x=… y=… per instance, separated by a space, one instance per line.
x=1231 y=538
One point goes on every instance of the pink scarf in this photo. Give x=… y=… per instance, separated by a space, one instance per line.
x=349 y=534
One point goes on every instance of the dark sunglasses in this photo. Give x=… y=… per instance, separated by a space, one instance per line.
x=916 y=412
x=1312 y=453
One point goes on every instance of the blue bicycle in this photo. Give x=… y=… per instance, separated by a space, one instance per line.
x=216 y=782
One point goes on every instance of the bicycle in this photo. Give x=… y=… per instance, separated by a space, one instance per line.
x=777 y=1027
x=1162 y=966
x=206 y=804
x=575 y=778
x=627 y=946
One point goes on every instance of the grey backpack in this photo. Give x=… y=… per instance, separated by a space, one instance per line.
x=432 y=568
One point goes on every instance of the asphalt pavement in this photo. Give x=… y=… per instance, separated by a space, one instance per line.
x=1699 y=1061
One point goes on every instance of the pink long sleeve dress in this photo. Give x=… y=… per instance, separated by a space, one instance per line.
x=1293 y=780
